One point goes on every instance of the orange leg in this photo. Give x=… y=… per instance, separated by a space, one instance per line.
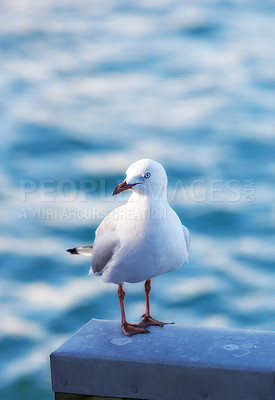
x=127 y=329
x=147 y=319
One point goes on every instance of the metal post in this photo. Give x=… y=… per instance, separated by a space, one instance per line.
x=170 y=363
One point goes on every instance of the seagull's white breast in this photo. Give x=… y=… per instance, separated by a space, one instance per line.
x=152 y=242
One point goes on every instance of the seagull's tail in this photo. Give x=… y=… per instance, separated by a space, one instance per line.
x=82 y=251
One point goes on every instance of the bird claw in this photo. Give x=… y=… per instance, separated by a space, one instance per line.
x=148 y=320
x=132 y=329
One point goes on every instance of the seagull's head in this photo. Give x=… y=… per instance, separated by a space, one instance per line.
x=146 y=177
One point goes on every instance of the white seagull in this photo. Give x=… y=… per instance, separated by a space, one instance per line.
x=139 y=240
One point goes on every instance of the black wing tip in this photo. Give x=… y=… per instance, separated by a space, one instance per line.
x=72 y=251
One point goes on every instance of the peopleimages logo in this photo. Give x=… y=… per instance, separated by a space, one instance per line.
x=199 y=190
x=69 y=199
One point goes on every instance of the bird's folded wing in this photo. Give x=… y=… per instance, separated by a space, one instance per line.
x=105 y=244
x=186 y=236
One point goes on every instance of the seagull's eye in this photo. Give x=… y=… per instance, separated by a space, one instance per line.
x=147 y=175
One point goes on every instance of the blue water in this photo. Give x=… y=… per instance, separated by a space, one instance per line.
x=86 y=89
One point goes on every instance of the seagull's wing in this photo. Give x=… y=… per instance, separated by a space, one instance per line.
x=105 y=244
x=186 y=236
x=82 y=251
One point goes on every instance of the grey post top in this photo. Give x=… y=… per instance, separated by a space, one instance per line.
x=172 y=362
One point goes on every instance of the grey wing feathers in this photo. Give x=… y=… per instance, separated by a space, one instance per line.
x=105 y=244
x=104 y=248
x=186 y=236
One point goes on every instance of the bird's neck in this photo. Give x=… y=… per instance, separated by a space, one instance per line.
x=151 y=201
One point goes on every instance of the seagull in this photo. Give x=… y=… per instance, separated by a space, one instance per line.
x=139 y=240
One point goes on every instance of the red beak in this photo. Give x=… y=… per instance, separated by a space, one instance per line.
x=122 y=186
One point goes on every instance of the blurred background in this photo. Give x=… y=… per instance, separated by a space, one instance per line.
x=87 y=88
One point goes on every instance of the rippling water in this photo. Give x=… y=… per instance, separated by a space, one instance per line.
x=86 y=89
